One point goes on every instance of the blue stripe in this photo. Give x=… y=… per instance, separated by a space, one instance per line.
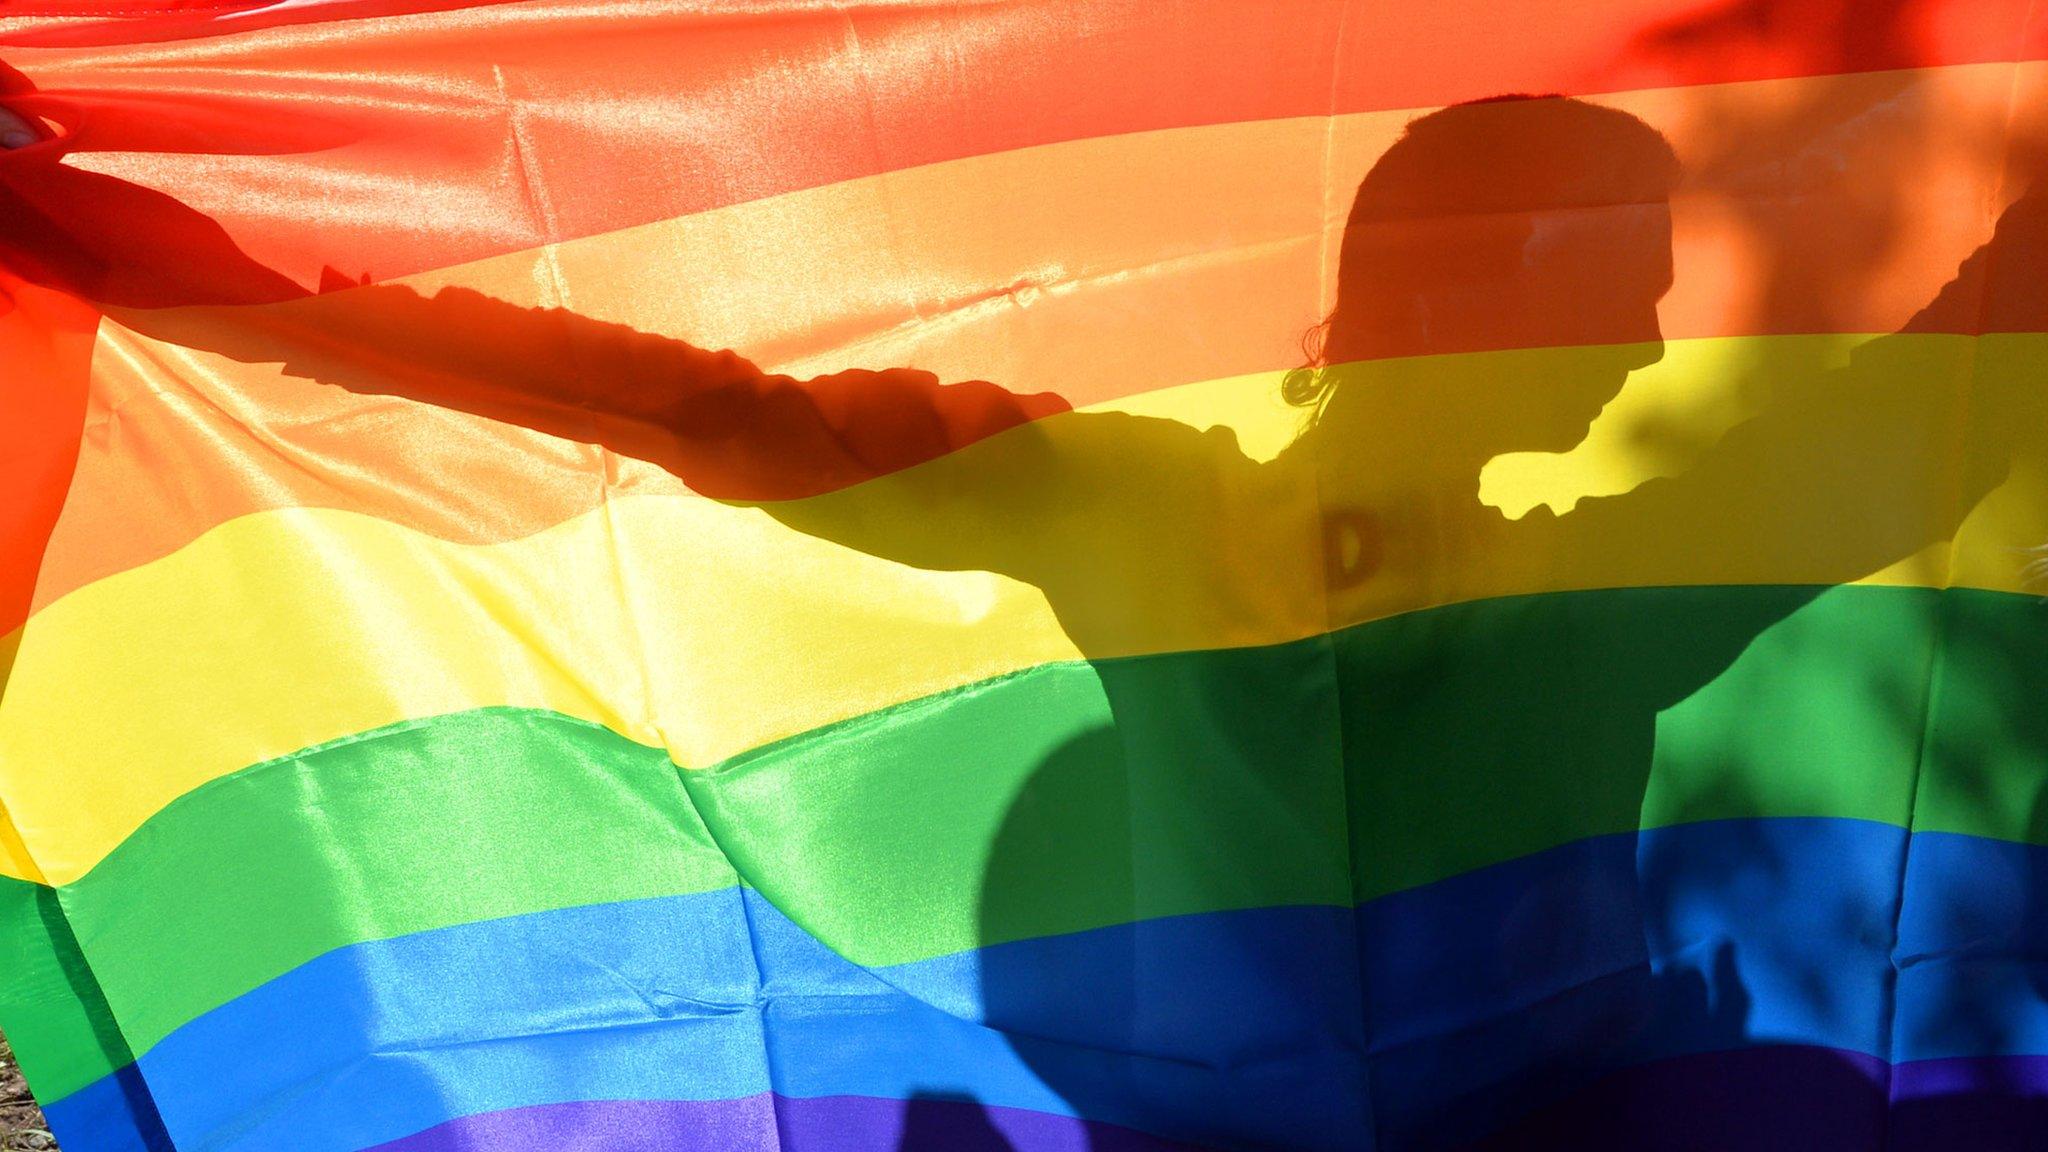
x=1973 y=949
x=111 y=1114
x=1492 y=993
x=665 y=999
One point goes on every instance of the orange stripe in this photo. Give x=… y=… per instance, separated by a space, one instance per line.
x=1136 y=263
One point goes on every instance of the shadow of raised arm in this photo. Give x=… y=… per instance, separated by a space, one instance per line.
x=1059 y=503
x=1849 y=470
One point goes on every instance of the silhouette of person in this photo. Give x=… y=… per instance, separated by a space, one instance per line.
x=1508 y=224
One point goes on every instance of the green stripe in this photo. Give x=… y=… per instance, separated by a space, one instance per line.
x=1485 y=733
x=1083 y=794
x=51 y=1008
x=1471 y=734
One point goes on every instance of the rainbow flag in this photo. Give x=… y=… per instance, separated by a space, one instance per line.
x=1083 y=575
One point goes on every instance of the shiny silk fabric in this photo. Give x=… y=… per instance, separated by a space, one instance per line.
x=1032 y=575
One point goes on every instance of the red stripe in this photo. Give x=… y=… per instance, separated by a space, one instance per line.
x=131 y=10
x=82 y=23
x=487 y=130
x=46 y=347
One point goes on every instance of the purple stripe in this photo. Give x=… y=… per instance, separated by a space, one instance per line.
x=1972 y=1076
x=1985 y=1105
x=1800 y=1097
x=1782 y=1097
x=767 y=1123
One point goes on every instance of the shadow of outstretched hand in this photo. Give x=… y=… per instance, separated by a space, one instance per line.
x=111 y=241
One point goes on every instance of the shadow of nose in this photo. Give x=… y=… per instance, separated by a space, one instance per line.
x=1647 y=352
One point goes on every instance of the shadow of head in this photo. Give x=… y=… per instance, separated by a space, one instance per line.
x=1509 y=223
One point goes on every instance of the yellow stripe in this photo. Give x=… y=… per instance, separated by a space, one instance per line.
x=14 y=857
x=711 y=629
